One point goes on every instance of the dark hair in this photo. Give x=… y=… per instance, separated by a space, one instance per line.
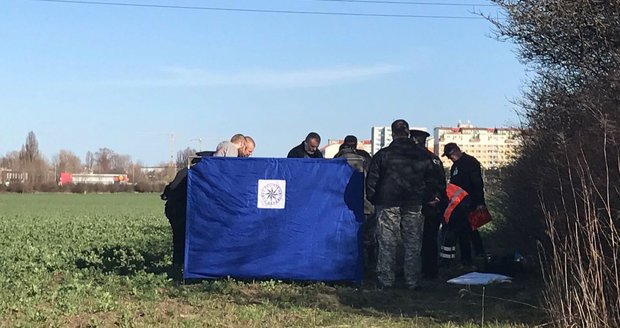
x=313 y=135
x=400 y=128
x=351 y=141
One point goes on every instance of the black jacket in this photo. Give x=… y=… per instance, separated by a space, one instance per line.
x=401 y=174
x=466 y=173
x=440 y=175
x=300 y=152
x=438 y=170
x=175 y=195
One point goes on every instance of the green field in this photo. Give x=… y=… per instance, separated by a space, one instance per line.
x=69 y=260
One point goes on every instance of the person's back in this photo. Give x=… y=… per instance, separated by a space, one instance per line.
x=399 y=181
x=357 y=161
x=466 y=173
x=360 y=163
x=402 y=174
x=364 y=154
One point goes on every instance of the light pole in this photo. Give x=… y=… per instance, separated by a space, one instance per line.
x=199 y=143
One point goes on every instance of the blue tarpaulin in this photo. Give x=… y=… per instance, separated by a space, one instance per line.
x=257 y=218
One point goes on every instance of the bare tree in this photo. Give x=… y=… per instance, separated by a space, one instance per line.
x=183 y=157
x=89 y=161
x=103 y=160
x=32 y=162
x=11 y=161
x=66 y=161
x=135 y=173
x=119 y=163
x=30 y=150
x=563 y=187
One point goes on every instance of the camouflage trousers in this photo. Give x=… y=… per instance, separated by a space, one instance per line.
x=394 y=223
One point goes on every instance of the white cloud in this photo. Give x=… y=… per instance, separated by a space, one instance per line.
x=184 y=77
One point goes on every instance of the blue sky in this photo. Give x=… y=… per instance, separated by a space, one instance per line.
x=84 y=77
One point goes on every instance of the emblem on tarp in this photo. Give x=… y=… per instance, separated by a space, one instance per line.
x=271 y=194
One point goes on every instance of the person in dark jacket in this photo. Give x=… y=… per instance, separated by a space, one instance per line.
x=175 y=195
x=399 y=181
x=349 y=150
x=359 y=159
x=466 y=173
x=433 y=214
x=309 y=148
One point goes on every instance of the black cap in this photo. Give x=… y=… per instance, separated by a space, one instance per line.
x=449 y=148
x=205 y=153
x=418 y=136
x=418 y=133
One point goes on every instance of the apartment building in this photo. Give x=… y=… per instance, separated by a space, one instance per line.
x=493 y=147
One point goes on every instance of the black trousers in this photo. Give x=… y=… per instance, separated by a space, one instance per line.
x=459 y=230
x=370 y=245
x=177 y=223
x=178 y=244
x=430 y=251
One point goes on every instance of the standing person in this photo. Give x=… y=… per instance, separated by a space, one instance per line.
x=175 y=195
x=433 y=214
x=399 y=181
x=465 y=175
x=351 y=142
x=359 y=159
x=309 y=148
x=232 y=148
x=349 y=150
x=250 y=145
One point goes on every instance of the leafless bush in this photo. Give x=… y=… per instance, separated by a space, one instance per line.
x=563 y=189
x=581 y=269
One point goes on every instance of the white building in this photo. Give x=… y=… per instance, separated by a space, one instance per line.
x=493 y=147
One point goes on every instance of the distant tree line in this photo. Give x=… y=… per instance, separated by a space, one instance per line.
x=562 y=192
x=42 y=174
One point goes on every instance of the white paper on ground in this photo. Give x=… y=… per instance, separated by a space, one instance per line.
x=477 y=278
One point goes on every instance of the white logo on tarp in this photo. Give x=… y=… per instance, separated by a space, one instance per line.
x=271 y=194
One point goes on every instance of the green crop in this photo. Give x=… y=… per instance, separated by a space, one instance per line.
x=104 y=260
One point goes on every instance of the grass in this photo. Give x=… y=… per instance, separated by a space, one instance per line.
x=70 y=260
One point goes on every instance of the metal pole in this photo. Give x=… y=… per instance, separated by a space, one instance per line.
x=482 y=321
